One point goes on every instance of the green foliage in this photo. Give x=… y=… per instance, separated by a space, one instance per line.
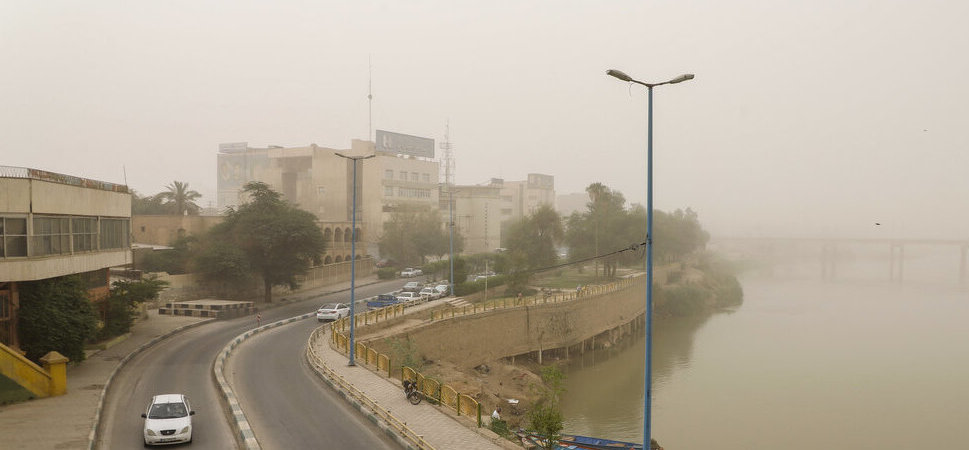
x=682 y=300
x=533 y=240
x=386 y=273
x=56 y=315
x=415 y=232
x=265 y=235
x=470 y=287
x=176 y=260
x=120 y=306
x=546 y=419
x=500 y=427
x=403 y=352
x=179 y=199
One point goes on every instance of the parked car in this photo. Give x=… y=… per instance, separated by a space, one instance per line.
x=333 y=311
x=412 y=286
x=381 y=301
x=442 y=289
x=408 y=296
x=411 y=272
x=168 y=420
x=484 y=275
x=430 y=293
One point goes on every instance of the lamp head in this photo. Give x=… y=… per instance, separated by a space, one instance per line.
x=682 y=78
x=619 y=74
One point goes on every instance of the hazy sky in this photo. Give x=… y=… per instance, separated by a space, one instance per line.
x=805 y=118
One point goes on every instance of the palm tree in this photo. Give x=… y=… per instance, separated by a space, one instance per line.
x=180 y=198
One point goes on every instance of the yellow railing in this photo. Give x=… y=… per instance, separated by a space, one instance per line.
x=534 y=300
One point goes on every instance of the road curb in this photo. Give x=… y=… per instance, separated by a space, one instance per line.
x=93 y=434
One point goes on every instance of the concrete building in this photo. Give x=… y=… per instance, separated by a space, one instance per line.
x=522 y=198
x=319 y=181
x=477 y=216
x=53 y=225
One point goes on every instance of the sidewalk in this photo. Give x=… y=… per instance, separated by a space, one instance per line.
x=69 y=420
x=439 y=426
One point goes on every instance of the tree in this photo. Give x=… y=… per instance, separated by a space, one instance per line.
x=536 y=237
x=545 y=416
x=124 y=297
x=413 y=233
x=265 y=235
x=56 y=315
x=148 y=205
x=179 y=199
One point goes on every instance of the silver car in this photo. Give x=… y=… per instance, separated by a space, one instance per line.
x=168 y=420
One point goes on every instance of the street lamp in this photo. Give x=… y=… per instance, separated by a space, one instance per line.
x=649 y=241
x=353 y=252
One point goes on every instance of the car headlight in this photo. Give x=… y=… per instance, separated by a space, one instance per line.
x=150 y=432
x=185 y=430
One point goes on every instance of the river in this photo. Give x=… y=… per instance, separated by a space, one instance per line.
x=856 y=363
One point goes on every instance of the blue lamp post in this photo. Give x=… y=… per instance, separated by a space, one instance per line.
x=353 y=254
x=649 y=242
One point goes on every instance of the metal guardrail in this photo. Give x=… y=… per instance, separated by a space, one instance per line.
x=400 y=427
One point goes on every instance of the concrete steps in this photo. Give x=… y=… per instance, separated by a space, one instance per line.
x=221 y=309
x=458 y=302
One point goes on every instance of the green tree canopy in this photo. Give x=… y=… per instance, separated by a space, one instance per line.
x=179 y=199
x=56 y=315
x=265 y=235
x=415 y=232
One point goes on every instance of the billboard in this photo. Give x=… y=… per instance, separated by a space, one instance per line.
x=404 y=144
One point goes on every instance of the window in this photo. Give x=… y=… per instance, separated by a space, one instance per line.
x=321 y=191
x=506 y=198
x=403 y=175
x=427 y=177
x=13 y=236
x=85 y=232
x=51 y=236
x=389 y=174
x=388 y=191
x=114 y=233
x=414 y=176
x=506 y=211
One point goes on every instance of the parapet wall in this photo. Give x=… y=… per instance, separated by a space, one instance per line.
x=474 y=339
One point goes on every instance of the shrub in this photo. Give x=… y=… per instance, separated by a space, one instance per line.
x=56 y=315
x=386 y=273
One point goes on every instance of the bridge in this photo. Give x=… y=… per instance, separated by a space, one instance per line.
x=829 y=251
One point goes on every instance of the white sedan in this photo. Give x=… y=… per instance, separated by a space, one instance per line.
x=411 y=272
x=430 y=293
x=408 y=296
x=333 y=311
x=168 y=420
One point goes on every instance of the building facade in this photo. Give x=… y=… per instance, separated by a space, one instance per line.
x=53 y=225
x=320 y=181
x=477 y=216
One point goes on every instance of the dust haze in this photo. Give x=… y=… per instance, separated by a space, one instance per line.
x=805 y=119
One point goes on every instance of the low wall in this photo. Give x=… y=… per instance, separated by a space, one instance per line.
x=474 y=339
x=193 y=286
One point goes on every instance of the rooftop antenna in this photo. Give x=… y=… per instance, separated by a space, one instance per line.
x=448 y=156
x=370 y=98
x=449 y=182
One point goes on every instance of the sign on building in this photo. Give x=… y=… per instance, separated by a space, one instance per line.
x=404 y=144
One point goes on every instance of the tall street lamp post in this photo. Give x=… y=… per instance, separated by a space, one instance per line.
x=647 y=402
x=353 y=253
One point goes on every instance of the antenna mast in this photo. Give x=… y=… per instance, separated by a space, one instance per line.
x=448 y=157
x=370 y=99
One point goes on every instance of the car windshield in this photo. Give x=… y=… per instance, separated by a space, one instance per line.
x=330 y=307
x=167 y=411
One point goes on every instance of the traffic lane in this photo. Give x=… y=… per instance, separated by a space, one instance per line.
x=180 y=366
x=286 y=403
x=183 y=362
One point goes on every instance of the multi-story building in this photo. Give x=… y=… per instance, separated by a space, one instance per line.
x=477 y=216
x=53 y=225
x=320 y=181
x=521 y=198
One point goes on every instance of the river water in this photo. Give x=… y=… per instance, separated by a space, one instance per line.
x=859 y=362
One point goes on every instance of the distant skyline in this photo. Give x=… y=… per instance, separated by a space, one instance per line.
x=805 y=118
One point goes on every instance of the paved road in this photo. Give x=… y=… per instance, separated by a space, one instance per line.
x=181 y=364
x=286 y=404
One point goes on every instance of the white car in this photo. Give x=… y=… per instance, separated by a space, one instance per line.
x=442 y=289
x=412 y=286
x=408 y=296
x=168 y=420
x=411 y=272
x=333 y=311
x=430 y=293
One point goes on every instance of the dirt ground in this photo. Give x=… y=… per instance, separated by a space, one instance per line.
x=492 y=384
